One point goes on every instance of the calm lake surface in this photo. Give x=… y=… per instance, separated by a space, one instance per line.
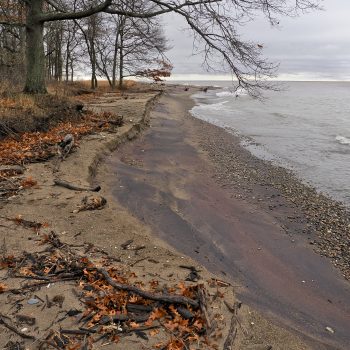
x=305 y=128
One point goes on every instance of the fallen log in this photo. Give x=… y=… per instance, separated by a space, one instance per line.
x=70 y=186
x=165 y=298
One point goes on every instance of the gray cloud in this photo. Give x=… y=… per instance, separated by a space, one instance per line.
x=314 y=45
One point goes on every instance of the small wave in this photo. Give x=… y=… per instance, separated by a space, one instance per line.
x=211 y=107
x=230 y=93
x=343 y=140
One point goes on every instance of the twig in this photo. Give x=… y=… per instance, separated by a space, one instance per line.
x=74 y=187
x=165 y=298
x=75 y=331
x=137 y=261
x=122 y=318
x=15 y=330
x=28 y=286
x=126 y=244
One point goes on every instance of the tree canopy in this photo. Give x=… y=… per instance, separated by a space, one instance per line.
x=215 y=26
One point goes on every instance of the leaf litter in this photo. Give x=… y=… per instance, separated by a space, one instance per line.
x=110 y=303
x=32 y=147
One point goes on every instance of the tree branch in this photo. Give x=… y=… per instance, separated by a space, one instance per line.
x=12 y=24
x=167 y=9
x=50 y=17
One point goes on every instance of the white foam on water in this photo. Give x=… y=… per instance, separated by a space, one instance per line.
x=296 y=129
x=231 y=93
x=220 y=106
x=343 y=140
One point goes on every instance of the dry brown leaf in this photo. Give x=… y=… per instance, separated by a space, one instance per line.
x=134 y=325
x=28 y=182
x=3 y=287
x=154 y=332
x=157 y=314
x=175 y=344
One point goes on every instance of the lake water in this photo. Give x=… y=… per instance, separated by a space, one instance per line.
x=305 y=128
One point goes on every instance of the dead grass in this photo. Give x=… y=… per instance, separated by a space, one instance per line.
x=18 y=101
x=20 y=113
x=24 y=113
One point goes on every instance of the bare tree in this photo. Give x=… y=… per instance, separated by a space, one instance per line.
x=142 y=44
x=214 y=24
x=12 y=42
x=128 y=46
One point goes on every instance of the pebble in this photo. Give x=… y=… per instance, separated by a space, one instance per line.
x=330 y=330
x=33 y=301
x=324 y=217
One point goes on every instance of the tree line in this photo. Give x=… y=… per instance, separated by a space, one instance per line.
x=110 y=46
x=56 y=39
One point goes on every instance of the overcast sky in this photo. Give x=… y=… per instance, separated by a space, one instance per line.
x=313 y=46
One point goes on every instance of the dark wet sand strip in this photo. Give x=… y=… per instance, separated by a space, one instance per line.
x=173 y=187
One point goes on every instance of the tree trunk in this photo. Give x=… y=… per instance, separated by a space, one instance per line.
x=121 y=60
x=35 y=57
x=115 y=61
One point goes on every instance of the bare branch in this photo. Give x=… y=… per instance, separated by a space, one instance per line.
x=59 y=16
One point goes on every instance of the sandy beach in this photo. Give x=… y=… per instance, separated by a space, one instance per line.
x=183 y=190
x=242 y=218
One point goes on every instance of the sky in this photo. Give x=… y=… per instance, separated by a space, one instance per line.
x=314 y=46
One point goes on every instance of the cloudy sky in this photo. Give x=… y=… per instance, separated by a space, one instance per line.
x=312 y=46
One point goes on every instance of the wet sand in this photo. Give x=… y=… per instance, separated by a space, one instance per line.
x=171 y=181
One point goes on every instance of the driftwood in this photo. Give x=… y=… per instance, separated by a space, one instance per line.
x=75 y=331
x=123 y=318
x=233 y=327
x=186 y=314
x=65 y=146
x=203 y=305
x=139 y=308
x=165 y=298
x=17 y=169
x=126 y=244
x=15 y=330
x=70 y=186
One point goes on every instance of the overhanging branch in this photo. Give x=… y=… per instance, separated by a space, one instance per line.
x=12 y=24
x=50 y=17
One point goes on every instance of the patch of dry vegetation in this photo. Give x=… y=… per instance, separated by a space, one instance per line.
x=20 y=113
x=39 y=146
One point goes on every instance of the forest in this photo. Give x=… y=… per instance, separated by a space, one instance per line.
x=108 y=46
x=58 y=39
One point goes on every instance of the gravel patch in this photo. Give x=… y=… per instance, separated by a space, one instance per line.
x=299 y=207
